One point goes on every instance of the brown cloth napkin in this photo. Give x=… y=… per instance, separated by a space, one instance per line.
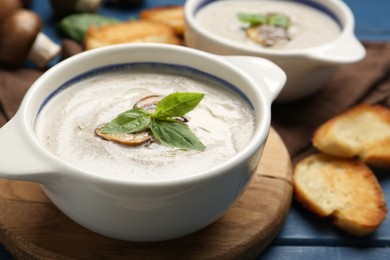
x=365 y=82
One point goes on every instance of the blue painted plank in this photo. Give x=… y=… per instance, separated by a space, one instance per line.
x=4 y=254
x=324 y=253
x=371 y=18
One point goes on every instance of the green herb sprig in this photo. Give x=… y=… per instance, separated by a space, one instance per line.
x=162 y=122
x=76 y=25
x=278 y=20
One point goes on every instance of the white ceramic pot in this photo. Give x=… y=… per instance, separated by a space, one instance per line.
x=307 y=69
x=140 y=210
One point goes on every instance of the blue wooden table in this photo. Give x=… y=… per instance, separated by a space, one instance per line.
x=303 y=235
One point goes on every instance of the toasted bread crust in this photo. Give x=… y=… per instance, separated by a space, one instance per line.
x=345 y=190
x=362 y=131
x=128 y=32
x=172 y=15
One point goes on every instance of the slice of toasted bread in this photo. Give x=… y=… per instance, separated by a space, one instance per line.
x=128 y=32
x=343 y=189
x=172 y=15
x=362 y=131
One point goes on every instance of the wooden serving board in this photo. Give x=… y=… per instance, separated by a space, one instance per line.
x=31 y=227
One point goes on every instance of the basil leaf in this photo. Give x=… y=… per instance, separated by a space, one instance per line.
x=279 y=20
x=163 y=123
x=253 y=19
x=176 y=135
x=177 y=104
x=76 y=25
x=128 y=122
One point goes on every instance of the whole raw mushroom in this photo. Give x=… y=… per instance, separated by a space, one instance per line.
x=7 y=6
x=21 y=39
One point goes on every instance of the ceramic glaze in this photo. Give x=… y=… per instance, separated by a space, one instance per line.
x=134 y=209
x=223 y=121
x=308 y=68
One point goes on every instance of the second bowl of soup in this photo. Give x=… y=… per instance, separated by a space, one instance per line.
x=309 y=40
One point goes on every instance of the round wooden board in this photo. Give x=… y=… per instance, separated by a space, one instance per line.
x=32 y=227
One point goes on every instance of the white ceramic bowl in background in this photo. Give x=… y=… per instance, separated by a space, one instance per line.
x=140 y=210
x=307 y=69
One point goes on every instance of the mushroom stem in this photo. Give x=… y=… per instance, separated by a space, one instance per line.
x=43 y=50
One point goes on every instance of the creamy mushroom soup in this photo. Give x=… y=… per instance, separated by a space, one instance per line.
x=308 y=26
x=223 y=121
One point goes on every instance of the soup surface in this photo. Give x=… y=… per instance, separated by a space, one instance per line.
x=309 y=27
x=223 y=122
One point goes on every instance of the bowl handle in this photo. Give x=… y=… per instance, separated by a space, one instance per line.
x=346 y=49
x=19 y=160
x=263 y=72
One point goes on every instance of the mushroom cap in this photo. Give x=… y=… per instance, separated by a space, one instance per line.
x=7 y=6
x=18 y=31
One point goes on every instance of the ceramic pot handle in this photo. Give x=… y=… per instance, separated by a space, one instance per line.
x=19 y=158
x=263 y=72
x=346 y=49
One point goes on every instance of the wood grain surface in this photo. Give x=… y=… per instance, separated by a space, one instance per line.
x=31 y=227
